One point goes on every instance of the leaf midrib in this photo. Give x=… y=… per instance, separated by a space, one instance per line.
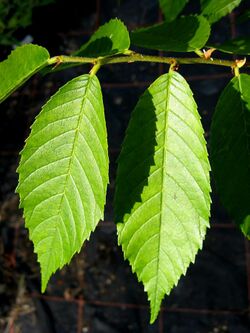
x=69 y=167
x=227 y=5
x=77 y=133
x=162 y=186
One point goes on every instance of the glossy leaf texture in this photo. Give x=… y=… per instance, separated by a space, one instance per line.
x=170 y=36
x=162 y=198
x=172 y=8
x=230 y=150
x=63 y=173
x=110 y=38
x=239 y=45
x=21 y=64
x=214 y=10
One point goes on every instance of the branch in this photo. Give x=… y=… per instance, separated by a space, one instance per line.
x=137 y=57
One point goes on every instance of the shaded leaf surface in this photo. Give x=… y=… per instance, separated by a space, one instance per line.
x=214 y=10
x=230 y=149
x=239 y=45
x=21 y=64
x=172 y=8
x=244 y=17
x=110 y=38
x=162 y=189
x=170 y=36
x=63 y=173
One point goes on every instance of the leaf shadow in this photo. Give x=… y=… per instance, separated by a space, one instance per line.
x=167 y=36
x=136 y=157
x=230 y=153
x=97 y=48
x=242 y=180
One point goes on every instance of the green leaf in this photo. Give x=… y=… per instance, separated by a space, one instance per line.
x=63 y=173
x=230 y=150
x=214 y=10
x=109 y=39
x=170 y=36
x=172 y=8
x=162 y=197
x=21 y=64
x=239 y=45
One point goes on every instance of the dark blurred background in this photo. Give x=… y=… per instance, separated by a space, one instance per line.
x=97 y=292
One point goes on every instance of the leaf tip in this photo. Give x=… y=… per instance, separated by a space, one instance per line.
x=43 y=287
x=154 y=310
x=155 y=300
x=44 y=280
x=152 y=319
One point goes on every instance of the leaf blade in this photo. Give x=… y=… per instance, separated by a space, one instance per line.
x=230 y=150
x=156 y=179
x=169 y=36
x=63 y=173
x=171 y=9
x=239 y=45
x=110 y=38
x=21 y=64
x=214 y=10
